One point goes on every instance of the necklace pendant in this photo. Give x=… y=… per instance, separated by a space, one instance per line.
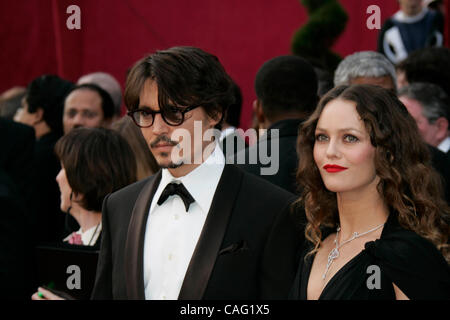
x=333 y=254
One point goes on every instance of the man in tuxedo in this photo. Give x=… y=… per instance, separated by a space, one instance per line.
x=198 y=228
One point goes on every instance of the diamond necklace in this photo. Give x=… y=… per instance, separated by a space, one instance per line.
x=335 y=252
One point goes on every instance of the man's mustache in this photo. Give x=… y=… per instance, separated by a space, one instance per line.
x=163 y=138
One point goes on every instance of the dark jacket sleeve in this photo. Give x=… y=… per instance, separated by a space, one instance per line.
x=413 y=264
x=280 y=257
x=103 y=280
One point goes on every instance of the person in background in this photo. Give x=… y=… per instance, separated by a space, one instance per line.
x=17 y=215
x=286 y=91
x=17 y=145
x=366 y=67
x=94 y=163
x=426 y=65
x=378 y=226
x=413 y=27
x=90 y=106
x=430 y=107
x=42 y=109
x=145 y=161
x=87 y=105
x=108 y=83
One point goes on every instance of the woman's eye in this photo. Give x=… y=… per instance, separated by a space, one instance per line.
x=350 y=138
x=321 y=137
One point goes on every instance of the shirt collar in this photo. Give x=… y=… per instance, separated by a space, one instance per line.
x=444 y=146
x=208 y=174
x=226 y=132
x=90 y=235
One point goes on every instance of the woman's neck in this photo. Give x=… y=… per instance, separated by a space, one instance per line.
x=360 y=211
x=85 y=218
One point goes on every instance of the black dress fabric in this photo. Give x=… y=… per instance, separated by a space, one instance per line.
x=413 y=263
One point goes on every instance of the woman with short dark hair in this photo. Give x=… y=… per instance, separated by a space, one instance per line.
x=95 y=162
x=377 y=223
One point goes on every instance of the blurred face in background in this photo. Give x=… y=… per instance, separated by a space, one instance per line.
x=428 y=131
x=410 y=7
x=83 y=108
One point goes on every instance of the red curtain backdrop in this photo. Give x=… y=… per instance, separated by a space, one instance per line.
x=116 y=33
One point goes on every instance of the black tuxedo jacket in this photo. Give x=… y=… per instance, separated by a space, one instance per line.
x=231 y=259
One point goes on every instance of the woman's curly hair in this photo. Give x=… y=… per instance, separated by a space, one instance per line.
x=409 y=186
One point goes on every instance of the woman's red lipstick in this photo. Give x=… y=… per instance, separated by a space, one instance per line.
x=333 y=168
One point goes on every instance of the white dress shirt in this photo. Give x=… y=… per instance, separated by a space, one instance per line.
x=444 y=146
x=172 y=233
x=226 y=132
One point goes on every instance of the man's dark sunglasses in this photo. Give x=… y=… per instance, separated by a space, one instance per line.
x=144 y=117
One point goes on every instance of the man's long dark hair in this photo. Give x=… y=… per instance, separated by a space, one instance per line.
x=185 y=76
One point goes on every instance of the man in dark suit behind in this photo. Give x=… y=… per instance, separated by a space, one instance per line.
x=197 y=229
x=286 y=90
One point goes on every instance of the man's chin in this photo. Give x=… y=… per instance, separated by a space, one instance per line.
x=165 y=162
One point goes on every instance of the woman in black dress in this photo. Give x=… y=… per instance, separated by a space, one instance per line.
x=377 y=224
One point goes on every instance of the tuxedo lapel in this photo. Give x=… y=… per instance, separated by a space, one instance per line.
x=134 y=247
x=210 y=240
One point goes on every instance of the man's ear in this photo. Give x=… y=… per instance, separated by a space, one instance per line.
x=215 y=118
x=76 y=197
x=442 y=125
x=38 y=116
x=259 y=113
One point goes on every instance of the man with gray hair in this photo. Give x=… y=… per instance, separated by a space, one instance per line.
x=429 y=106
x=108 y=83
x=366 y=67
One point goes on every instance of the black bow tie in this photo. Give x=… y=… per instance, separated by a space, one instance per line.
x=180 y=190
